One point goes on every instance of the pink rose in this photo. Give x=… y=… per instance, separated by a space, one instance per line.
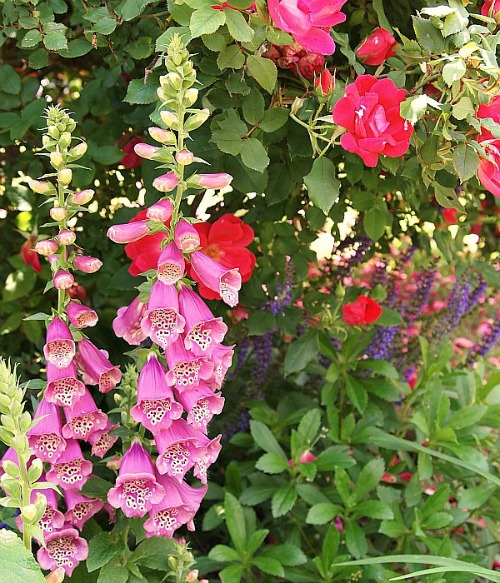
x=378 y=47
x=488 y=171
x=308 y=21
x=370 y=113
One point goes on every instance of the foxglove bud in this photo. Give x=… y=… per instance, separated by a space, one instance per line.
x=162 y=136
x=196 y=120
x=53 y=132
x=171 y=79
x=87 y=264
x=145 y=150
x=42 y=187
x=184 y=157
x=78 y=151
x=166 y=182
x=66 y=237
x=129 y=232
x=219 y=180
x=83 y=196
x=65 y=140
x=190 y=96
x=170 y=119
x=63 y=279
x=58 y=213
x=56 y=159
x=46 y=247
x=65 y=175
x=48 y=143
x=160 y=211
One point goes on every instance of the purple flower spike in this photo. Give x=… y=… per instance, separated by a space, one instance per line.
x=178 y=507
x=171 y=264
x=225 y=282
x=201 y=405
x=80 y=508
x=162 y=322
x=203 y=330
x=83 y=419
x=45 y=438
x=186 y=370
x=81 y=316
x=98 y=368
x=127 y=324
x=156 y=407
x=136 y=487
x=63 y=548
x=59 y=348
x=71 y=469
x=63 y=388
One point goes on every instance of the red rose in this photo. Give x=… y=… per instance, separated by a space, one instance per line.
x=370 y=113
x=29 y=256
x=490 y=8
x=131 y=159
x=378 y=47
x=363 y=311
x=225 y=241
x=488 y=171
x=144 y=252
x=450 y=216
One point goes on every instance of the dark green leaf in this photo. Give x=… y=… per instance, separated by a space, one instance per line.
x=322 y=184
x=301 y=352
x=102 y=548
x=465 y=162
x=283 y=500
x=235 y=521
x=254 y=155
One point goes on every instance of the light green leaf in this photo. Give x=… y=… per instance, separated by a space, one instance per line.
x=237 y=26
x=283 y=500
x=231 y=58
x=322 y=184
x=309 y=426
x=355 y=539
x=231 y=574
x=264 y=71
x=322 y=513
x=55 y=41
x=454 y=71
x=369 y=477
x=31 y=38
x=254 y=155
x=235 y=521
x=102 y=548
x=265 y=439
x=223 y=554
x=17 y=564
x=465 y=162
x=374 y=223
x=272 y=463
x=287 y=555
x=269 y=566
x=301 y=352
x=206 y=21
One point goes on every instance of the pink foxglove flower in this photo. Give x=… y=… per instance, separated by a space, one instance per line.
x=63 y=548
x=87 y=264
x=186 y=369
x=160 y=211
x=146 y=150
x=136 y=488
x=98 y=368
x=66 y=237
x=47 y=247
x=71 y=469
x=182 y=447
x=82 y=197
x=203 y=331
x=222 y=357
x=102 y=441
x=171 y=264
x=127 y=324
x=156 y=407
x=128 y=232
x=162 y=321
x=184 y=157
x=53 y=518
x=59 y=348
x=186 y=237
x=215 y=181
x=80 y=508
x=166 y=182
x=226 y=282
x=201 y=405
x=45 y=438
x=178 y=507
x=81 y=316
x=63 y=279
x=63 y=388
x=83 y=419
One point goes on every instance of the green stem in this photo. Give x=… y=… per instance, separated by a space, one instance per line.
x=181 y=112
x=63 y=255
x=26 y=495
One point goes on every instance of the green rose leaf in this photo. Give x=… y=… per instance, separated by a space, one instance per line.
x=322 y=184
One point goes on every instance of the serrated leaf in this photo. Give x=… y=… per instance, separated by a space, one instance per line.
x=231 y=574
x=288 y=555
x=17 y=564
x=272 y=463
x=309 y=426
x=374 y=509
x=254 y=155
x=269 y=566
x=139 y=92
x=355 y=539
x=129 y=9
x=357 y=393
x=369 y=477
x=274 y=119
x=223 y=554
x=322 y=513
x=263 y=436
x=322 y=184
x=253 y=107
x=102 y=548
x=231 y=58
x=31 y=38
x=10 y=82
x=206 y=21
x=237 y=26
x=454 y=71
x=465 y=162
x=374 y=223
x=76 y=48
x=264 y=71
x=283 y=500
x=105 y=25
x=235 y=521
x=54 y=41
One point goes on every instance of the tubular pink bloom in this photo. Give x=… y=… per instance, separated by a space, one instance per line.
x=71 y=470
x=80 y=508
x=64 y=549
x=63 y=279
x=203 y=330
x=186 y=237
x=220 y=180
x=98 y=367
x=102 y=441
x=83 y=196
x=136 y=487
x=128 y=232
x=59 y=348
x=83 y=419
x=46 y=247
x=201 y=405
x=166 y=182
x=184 y=157
x=127 y=324
x=45 y=438
x=146 y=150
x=81 y=316
x=87 y=264
x=186 y=369
x=226 y=282
x=162 y=321
x=171 y=264
x=160 y=211
x=66 y=237
x=156 y=407
x=63 y=388
x=222 y=357
x=182 y=447
x=178 y=507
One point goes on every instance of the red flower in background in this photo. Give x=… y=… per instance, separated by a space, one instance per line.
x=296 y=59
x=29 y=256
x=363 y=311
x=130 y=159
x=378 y=47
x=144 y=252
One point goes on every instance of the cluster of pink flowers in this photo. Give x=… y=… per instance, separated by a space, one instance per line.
x=177 y=397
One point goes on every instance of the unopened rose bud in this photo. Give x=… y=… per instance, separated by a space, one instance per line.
x=42 y=187
x=162 y=136
x=46 y=247
x=196 y=120
x=324 y=84
x=56 y=159
x=65 y=175
x=58 y=213
x=184 y=157
x=63 y=279
x=78 y=151
x=166 y=182
x=66 y=237
x=170 y=119
x=83 y=196
x=160 y=211
x=145 y=150
x=87 y=264
x=190 y=97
